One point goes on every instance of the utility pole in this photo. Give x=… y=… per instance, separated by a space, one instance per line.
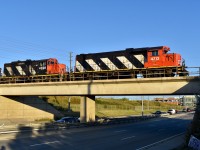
x=70 y=61
x=70 y=65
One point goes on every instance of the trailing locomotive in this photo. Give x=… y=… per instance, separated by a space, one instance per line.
x=131 y=62
x=34 y=67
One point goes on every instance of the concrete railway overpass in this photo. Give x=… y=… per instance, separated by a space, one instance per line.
x=91 y=88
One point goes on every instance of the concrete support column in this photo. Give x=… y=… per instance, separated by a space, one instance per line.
x=87 y=109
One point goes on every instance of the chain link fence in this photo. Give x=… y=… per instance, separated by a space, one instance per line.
x=100 y=107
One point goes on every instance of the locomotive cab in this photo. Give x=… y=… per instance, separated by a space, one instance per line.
x=53 y=67
x=161 y=58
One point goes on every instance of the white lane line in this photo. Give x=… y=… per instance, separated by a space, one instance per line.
x=120 y=131
x=150 y=145
x=46 y=143
x=128 y=138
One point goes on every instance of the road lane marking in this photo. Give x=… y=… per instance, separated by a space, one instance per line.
x=46 y=143
x=120 y=131
x=128 y=138
x=150 y=145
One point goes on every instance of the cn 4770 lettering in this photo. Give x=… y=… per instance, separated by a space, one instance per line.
x=144 y=62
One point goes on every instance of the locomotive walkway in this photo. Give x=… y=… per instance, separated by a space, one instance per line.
x=189 y=85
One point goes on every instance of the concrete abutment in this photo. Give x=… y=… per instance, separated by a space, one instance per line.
x=28 y=108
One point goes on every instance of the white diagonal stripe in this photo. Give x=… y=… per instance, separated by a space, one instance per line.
x=21 y=72
x=9 y=70
x=126 y=62
x=93 y=64
x=140 y=58
x=109 y=64
x=32 y=71
x=79 y=66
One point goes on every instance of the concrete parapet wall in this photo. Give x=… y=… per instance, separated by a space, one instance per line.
x=26 y=107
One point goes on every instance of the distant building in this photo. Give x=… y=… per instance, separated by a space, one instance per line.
x=169 y=100
x=188 y=101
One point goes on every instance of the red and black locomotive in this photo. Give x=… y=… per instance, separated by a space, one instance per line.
x=131 y=62
x=34 y=67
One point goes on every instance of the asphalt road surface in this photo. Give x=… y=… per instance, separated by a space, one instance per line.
x=133 y=136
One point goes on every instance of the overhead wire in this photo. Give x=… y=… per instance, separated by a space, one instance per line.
x=28 y=50
x=37 y=50
x=28 y=44
x=16 y=52
x=12 y=50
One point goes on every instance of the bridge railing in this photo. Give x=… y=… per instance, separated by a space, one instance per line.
x=193 y=71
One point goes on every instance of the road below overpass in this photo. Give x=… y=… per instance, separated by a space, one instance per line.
x=131 y=136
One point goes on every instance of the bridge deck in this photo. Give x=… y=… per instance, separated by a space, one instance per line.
x=142 y=86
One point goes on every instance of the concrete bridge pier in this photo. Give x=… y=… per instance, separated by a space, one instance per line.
x=87 y=109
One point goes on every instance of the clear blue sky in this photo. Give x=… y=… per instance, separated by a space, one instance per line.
x=40 y=29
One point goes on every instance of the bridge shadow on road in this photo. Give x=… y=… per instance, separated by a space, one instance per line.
x=48 y=137
x=45 y=137
x=19 y=142
x=3 y=148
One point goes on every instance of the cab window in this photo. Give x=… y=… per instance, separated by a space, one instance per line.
x=154 y=53
x=51 y=62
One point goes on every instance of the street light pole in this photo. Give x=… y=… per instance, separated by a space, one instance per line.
x=142 y=106
x=69 y=101
x=148 y=103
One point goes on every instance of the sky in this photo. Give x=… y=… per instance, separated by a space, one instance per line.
x=40 y=29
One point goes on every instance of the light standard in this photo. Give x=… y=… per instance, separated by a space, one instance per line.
x=148 y=103
x=142 y=106
x=69 y=101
